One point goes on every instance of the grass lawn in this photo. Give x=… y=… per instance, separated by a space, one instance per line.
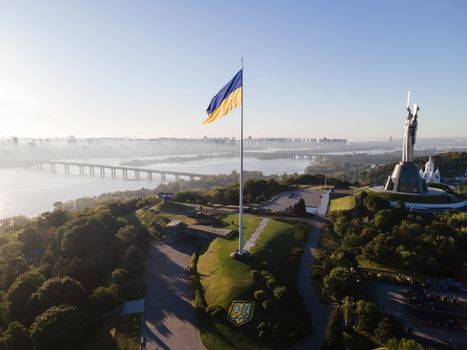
x=225 y=279
x=343 y=203
x=173 y=208
x=365 y=263
x=116 y=333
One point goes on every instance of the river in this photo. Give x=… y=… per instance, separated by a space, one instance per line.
x=28 y=191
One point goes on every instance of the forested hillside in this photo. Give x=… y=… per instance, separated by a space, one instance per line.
x=63 y=270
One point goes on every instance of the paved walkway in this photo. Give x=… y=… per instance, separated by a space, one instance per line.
x=317 y=311
x=323 y=207
x=169 y=316
x=255 y=235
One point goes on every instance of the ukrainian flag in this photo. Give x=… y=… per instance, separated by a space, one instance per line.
x=227 y=99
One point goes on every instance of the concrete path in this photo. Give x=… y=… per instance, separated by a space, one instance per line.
x=255 y=235
x=317 y=311
x=323 y=207
x=169 y=316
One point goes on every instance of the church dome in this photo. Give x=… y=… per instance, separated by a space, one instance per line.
x=429 y=166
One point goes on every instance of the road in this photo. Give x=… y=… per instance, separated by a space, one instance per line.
x=169 y=316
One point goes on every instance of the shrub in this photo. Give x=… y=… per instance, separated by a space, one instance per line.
x=266 y=275
x=267 y=304
x=280 y=292
x=271 y=282
x=254 y=275
x=259 y=294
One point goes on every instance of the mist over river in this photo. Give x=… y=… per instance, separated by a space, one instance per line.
x=28 y=191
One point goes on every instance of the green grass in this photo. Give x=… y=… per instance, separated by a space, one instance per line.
x=217 y=268
x=153 y=222
x=225 y=279
x=173 y=208
x=116 y=333
x=343 y=203
x=365 y=263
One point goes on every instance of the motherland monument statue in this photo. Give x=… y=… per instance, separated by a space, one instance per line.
x=406 y=175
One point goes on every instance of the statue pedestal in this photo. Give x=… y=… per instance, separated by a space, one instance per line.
x=406 y=178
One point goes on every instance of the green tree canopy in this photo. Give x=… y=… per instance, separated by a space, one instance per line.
x=16 y=337
x=19 y=293
x=368 y=316
x=340 y=282
x=57 y=291
x=59 y=326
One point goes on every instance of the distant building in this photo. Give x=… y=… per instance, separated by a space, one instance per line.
x=166 y=196
x=430 y=174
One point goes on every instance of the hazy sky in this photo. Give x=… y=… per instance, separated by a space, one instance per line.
x=312 y=68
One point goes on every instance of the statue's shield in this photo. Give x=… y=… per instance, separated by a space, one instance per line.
x=241 y=311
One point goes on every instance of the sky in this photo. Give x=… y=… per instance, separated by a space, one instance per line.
x=338 y=69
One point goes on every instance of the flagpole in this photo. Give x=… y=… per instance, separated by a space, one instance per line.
x=240 y=223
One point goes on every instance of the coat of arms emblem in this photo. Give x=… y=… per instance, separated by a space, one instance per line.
x=241 y=311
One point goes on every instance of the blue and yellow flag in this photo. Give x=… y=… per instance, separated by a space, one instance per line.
x=227 y=99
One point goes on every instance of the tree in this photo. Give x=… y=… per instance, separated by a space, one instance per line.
x=341 y=282
x=56 y=218
x=375 y=203
x=333 y=338
x=403 y=344
x=134 y=260
x=31 y=239
x=119 y=276
x=368 y=316
x=127 y=234
x=388 y=328
x=60 y=327
x=58 y=291
x=19 y=293
x=13 y=268
x=104 y=299
x=348 y=311
x=280 y=292
x=299 y=208
x=16 y=337
x=85 y=235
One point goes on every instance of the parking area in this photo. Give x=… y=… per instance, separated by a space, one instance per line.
x=438 y=323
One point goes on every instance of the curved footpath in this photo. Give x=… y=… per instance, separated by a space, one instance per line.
x=169 y=316
x=317 y=311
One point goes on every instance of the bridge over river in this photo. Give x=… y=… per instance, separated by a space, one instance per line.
x=90 y=169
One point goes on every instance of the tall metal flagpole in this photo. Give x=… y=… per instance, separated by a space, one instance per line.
x=240 y=213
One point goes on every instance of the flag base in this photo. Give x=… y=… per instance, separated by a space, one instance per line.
x=236 y=254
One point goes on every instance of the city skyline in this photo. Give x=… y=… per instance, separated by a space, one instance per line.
x=312 y=69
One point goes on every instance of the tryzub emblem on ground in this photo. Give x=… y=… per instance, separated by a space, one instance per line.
x=241 y=311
